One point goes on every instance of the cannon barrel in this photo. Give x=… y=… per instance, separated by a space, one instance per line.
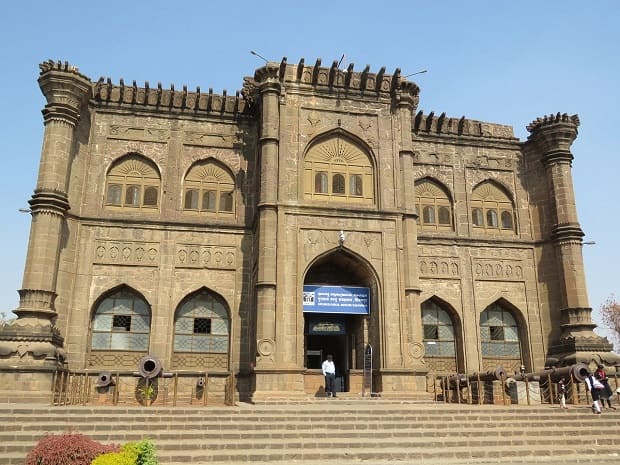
x=457 y=380
x=491 y=375
x=579 y=371
x=149 y=366
x=104 y=379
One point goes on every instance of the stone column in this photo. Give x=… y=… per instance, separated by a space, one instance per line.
x=407 y=380
x=407 y=104
x=269 y=89
x=552 y=138
x=33 y=340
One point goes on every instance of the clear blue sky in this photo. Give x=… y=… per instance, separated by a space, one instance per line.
x=498 y=61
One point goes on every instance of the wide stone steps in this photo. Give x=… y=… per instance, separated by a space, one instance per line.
x=349 y=432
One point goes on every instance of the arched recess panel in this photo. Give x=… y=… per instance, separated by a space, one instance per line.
x=201 y=332
x=120 y=329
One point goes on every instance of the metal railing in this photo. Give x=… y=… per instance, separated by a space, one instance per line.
x=527 y=388
x=181 y=387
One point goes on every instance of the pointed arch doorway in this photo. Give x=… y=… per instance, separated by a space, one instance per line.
x=339 y=291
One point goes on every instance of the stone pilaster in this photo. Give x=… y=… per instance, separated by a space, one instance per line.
x=552 y=137
x=406 y=99
x=269 y=89
x=32 y=341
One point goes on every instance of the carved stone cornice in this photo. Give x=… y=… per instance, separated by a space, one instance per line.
x=268 y=77
x=65 y=90
x=35 y=303
x=569 y=232
x=405 y=93
x=49 y=201
x=557 y=156
x=31 y=333
x=553 y=135
x=581 y=344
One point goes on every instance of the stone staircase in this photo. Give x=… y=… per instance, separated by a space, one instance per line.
x=343 y=431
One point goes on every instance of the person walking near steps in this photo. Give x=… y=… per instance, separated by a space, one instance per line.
x=329 y=371
x=595 y=387
x=562 y=392
x=606 y=393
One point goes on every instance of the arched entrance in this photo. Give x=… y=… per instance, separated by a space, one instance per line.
x=339 y=292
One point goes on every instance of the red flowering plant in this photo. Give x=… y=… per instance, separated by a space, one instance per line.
x=67 y=449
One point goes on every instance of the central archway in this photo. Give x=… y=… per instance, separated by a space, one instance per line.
x=342 y=331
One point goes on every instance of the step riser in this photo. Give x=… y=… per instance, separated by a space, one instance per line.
x=394 y=433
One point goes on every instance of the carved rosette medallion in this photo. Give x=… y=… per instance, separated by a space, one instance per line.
x=265 y=347
x=416 y=350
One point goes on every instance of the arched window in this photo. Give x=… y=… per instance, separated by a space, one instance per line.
x=445 y=216
x=320 y=182
x=507 y=220
x=338 y=184
x=213 y=184
x=428 y=215
x=499 y=333
x=433 y=201
x=202 y=324
x=191 y=199
x=121 y=321
x=476 y=217
x=439 y=338
x=132 y=182
x=356 y=184
x=336 y=170
x=487 y=200
x=492 y=218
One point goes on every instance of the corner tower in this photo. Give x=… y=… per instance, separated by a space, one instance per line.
x=551 y=138
x=33 y=342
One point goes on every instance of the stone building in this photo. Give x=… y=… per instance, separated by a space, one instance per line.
x=194 y=227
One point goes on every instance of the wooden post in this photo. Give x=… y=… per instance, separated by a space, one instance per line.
x=175 y=386
x=116 y=389
x=53 y=393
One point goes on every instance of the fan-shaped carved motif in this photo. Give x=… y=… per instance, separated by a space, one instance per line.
x=338 y=150
x=133 y=166
x=427 y=188
x=208 y=171
x=489 y=191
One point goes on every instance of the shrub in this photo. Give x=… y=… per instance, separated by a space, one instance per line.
x=66 y=449
x=132 y=453
x=127 y=456
x=146 y=453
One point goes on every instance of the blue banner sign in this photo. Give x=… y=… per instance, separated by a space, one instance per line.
x=336 y=299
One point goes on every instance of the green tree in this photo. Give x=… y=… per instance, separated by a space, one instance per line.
x=610 y=314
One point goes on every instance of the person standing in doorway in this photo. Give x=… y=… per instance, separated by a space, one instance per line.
x=329 y=371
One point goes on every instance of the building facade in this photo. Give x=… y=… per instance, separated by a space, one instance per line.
x=185 y=225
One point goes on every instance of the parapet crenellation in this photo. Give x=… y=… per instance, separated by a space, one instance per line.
x=540 y=123
x=65 y=67
x=159 y=98
x=106 y=93
x=327 y=79
x=333 y=78
x=320 y=78
x=443 y=125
